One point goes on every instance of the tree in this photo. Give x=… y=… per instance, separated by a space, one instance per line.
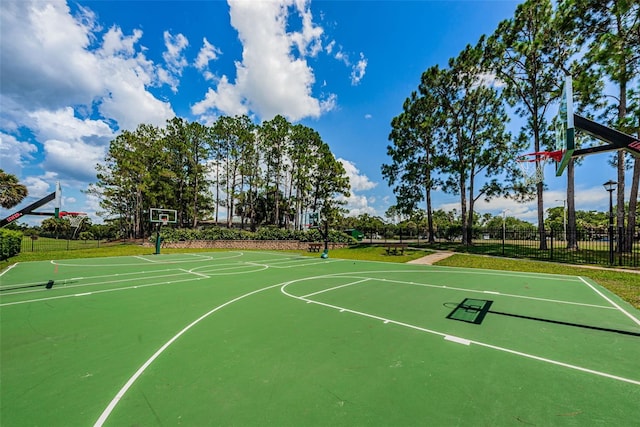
x=473 y=141
x=56 y=226
x=186 y=146
x=521 y=54
x=329 y=185
x=413 y=154
x=302 y=152
x=125 y=178
x=11 y=191
x=274 y=136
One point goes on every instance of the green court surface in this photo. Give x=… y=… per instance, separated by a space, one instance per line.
x=266 y=338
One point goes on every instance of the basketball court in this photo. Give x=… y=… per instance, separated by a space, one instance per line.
x=265 y=338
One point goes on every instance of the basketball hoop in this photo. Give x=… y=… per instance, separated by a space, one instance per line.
x=164 y=219
x=532 y=165
x=75 y=218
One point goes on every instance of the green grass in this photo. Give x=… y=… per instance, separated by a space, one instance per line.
x=372 y=253
x=589 y=252
x=46 y=244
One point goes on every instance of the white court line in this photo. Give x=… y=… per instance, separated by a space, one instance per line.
x=626 y=313
x=65 y=281
x=308 y=263
x=193 y=272
x=105 y=414
x=335 y=287
x=8 y=268
x=457 y=340
x=426 y=285
x=101 y=291
x=463 y=340
x=144 y=259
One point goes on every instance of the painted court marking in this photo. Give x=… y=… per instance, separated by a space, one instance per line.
x=626 y=313
x=448 y=337
x=335 y=287
x=454 y=288
x=111 y=406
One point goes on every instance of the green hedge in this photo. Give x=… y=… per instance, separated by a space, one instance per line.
x=10 y=243
x=266 y=233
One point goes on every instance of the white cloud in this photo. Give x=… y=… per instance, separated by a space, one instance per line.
x=76 y=159
x=358 y=70
x=368 y=116
x=271 y=78
x=174 y=59
x=14 y=154
x=208 y=52
x=329 y=47
x=358 y=205
x=358 y=181
x=228 y=99
x=47 y=61
x=37 y=187
x=72 y=146
x=62 y=124
x=44 y=58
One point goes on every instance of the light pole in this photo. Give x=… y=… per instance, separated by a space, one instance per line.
x=564 y=216
x=610 y=186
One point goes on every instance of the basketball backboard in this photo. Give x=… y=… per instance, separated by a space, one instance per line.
x=163 y=216
x=564 y=126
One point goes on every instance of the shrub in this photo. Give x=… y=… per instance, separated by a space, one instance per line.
x=266 y=233
x=10 y=242
x=86 y=235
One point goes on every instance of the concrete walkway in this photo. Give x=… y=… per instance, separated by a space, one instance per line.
x=431 y=259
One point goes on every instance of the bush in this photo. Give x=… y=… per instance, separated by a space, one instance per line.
x=10 y=242
x=266 y=233
x=86 y=235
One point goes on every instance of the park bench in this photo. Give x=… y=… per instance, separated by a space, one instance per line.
x=314 y=247
x=393 y=248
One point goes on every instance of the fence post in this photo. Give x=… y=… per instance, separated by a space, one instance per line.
x=551 y=243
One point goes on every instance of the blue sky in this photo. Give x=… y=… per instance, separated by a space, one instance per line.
x=73 y=75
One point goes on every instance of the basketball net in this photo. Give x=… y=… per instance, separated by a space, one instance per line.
x=532 y=165
x=76 y=220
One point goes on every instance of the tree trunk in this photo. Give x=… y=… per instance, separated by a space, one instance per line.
x=430 y=231
x=622 y=112
x=463 y=211
x=572 y=238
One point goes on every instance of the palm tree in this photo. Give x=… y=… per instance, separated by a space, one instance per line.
x=11 y=191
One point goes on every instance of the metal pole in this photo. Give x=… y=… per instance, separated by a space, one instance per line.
x=611 y=227
x=564 y=215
